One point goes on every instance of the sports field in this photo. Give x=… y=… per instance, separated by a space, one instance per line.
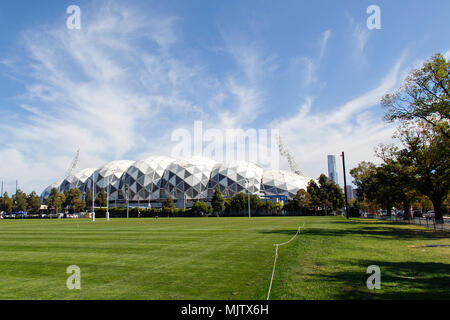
x=221 y=258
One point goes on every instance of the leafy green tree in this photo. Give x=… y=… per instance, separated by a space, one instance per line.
x=238 y=202
x=20 y=201
x=88 y=198
x=75 y=201
x=255 y=203
x=200 y=207
x=55 y=200
x=33 y=203
x=300 y=203
x=218 y=202
x=428 y=151
x=376 y=184
x=326 y=195
x=6 y=203
x=424 y=97
x=66 y=202
x=398 y=165
x=314 y=193
x=168 y=206
x=422 y=105
x=101 y=198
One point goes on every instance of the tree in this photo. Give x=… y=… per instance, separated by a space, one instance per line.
x=398 y=165
x=314 y=193
x=424 y=97
x=168 y=207
x=55 y=200
x=6 y=203
x=422 y=104
x=19 y=201
x=428 y=151
x=66 y=202
x=33 y=203
x=100 y=200
x=200 y=207
x=375 y=184
x=327 y=195
x=300 y=203
x=218 y=202
x=75 y=200
x=88 y=198
x=238 y=202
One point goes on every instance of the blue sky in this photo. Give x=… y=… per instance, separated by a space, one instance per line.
x=136 y=71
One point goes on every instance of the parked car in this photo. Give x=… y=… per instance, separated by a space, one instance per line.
x=383 y=213
x=399 y=213
x=429 y=214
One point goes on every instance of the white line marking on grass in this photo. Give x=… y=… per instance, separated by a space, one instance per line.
x=276 y=256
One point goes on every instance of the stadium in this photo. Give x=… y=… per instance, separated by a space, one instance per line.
x=149 y=181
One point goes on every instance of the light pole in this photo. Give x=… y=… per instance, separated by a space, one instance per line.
x=107 y=199
x=345 y=186
x=93 y=197
x=127 y=188
x=247 y=185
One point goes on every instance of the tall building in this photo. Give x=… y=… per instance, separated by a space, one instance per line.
x=332 y=172
x=351 y=193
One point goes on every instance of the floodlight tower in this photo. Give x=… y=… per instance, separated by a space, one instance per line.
x=127 y=189
x=93 y=197
x=290 y=159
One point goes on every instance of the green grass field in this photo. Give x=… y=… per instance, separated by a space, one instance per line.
x=221 y=258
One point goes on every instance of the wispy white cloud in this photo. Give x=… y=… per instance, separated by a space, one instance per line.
x=95 y=89
x=359 y=38
x=323 y=42
x=354 y=127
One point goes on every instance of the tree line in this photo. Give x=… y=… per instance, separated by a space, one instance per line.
x=322 y=197
x=417 y=169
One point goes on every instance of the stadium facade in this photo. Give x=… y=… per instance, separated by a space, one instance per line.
x=149 y=181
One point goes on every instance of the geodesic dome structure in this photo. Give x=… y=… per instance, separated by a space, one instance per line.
x=282 y=182
x=232 y=177
x=46 y=192
x=143 y=178
x=109 y=174
x=187 y=178
x=76 y=180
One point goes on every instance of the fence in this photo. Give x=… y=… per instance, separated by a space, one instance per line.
x=425 y=222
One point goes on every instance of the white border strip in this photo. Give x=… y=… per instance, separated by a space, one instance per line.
x=276 y=256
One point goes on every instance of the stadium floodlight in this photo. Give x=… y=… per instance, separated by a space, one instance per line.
x=127 y=190
x=107 y=199
x=93 y=197
x=247 y=186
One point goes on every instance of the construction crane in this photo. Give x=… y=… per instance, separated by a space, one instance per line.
x=290 y=159
x=73 y=164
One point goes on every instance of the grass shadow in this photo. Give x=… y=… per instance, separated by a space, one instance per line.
x=399 y=280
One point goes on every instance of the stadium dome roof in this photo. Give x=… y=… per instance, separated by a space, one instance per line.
x=231 y=178
x=189 y=177
x=110 y=174
x=192 y=178
x=282 y=182
x=143 y=178
x=46 y=192
x=76 y=180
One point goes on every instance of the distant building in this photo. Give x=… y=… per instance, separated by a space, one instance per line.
x=332 y=172
x=351 y=193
